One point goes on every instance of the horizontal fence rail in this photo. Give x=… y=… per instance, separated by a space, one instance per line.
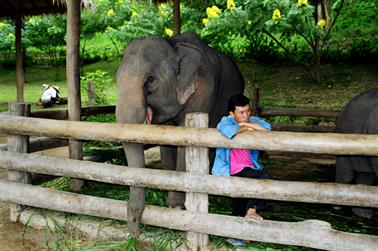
x=358 y=195
x=40 y=144
x=62 y=114
x=279 y=111
x=310 y=233
x=331 y=143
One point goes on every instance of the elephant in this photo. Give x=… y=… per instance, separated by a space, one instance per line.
x=359 y=115
x=159 y=81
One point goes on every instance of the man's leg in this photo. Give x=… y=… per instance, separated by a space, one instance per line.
x=254 y=204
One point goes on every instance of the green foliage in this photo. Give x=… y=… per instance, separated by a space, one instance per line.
x=7 y=37
x=47 y=33
x=356 y=33
x=228 y=30
x=101 y=80
x=7 y=45
x=142 y=19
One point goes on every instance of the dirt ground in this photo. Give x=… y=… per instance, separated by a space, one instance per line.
x=12 y=235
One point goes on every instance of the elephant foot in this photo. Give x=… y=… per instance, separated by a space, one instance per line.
x=176 y=200
x=366 y=213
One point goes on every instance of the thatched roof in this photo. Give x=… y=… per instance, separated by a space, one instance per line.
x=8 y=8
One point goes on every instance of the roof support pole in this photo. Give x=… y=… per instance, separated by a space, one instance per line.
x=73 y=79
x=176 y=17
x=20 y=78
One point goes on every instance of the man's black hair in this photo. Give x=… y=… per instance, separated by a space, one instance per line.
x=237 y=100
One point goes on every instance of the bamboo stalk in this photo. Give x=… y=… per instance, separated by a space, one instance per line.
x=310 y=233
x=331 y=143
x=312 y=192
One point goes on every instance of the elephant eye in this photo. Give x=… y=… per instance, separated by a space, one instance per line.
x=149 y=79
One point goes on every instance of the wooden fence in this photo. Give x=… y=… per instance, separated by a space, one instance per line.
x=258 y=110
x=195 y=220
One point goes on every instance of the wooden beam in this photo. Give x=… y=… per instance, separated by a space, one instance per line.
x=19 y=144
x=309 y=192
x=310 y=233
x=40 y=144
x=197 y=162
x=330 y=143
x=73 y=79
x=279 y=111
x=20 y=77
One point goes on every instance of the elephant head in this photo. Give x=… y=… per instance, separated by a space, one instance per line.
x=156 y=80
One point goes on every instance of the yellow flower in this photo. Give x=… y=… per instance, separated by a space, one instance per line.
x=302 y=3
x=276 y=14
x=1 y=25
x=110 y=12
x=162 y=8
x=169 y=32
x=134 y=13
x=205 y=21
x=321 y=24
x=214 y=11
x=231 y=4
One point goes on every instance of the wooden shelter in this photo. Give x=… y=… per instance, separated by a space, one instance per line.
x=17 y=10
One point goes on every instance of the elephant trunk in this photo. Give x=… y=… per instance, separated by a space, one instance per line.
x=131 y=108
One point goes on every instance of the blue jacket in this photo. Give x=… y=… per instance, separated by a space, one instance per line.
x=228 y=128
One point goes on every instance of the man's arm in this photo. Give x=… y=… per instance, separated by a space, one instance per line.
x=251 y=126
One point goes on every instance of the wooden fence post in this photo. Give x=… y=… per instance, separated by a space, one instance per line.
x=255 y=110
x=18 y=143
x=91 y=93
x=73 y=80
x=197 y=161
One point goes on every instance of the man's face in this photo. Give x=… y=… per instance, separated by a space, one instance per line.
x=241 y=113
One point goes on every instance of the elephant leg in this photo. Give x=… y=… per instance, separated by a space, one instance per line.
x=172 y=159
x=135 y=206
x=169 y=162
x=344 y=169
x=366 y=179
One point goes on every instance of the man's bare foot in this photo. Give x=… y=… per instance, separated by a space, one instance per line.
x=252 y=215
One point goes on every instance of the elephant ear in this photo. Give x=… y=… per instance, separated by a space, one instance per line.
x=188 y=71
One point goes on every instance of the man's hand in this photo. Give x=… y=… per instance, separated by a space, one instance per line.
x=249 y=126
